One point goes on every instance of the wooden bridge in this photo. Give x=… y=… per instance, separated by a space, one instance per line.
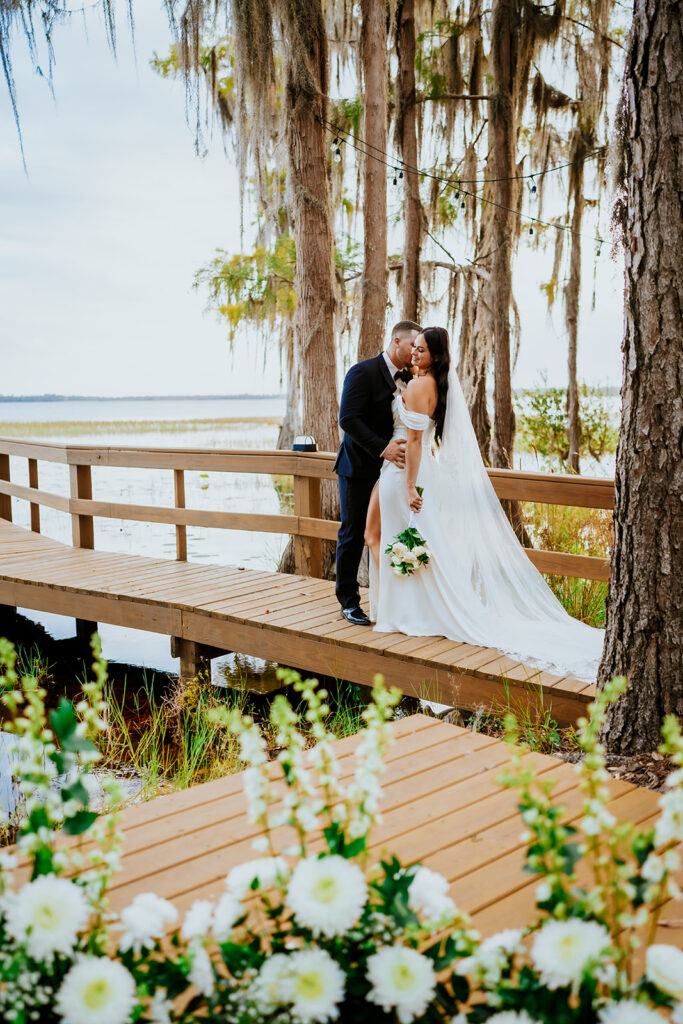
x=442 y=806
x=290 y=619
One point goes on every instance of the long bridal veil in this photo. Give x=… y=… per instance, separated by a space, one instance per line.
x=518 y=612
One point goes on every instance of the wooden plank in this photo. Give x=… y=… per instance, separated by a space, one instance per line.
x=561 y=564
x=553 y=488
x=180 y=531
x=34 y=495
x=44 y=451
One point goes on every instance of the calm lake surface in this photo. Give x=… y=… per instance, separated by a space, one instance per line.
x=250 y=422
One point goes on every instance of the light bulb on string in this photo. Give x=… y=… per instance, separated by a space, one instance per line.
x=533 y=184
x=337 y=155
x=531 y=230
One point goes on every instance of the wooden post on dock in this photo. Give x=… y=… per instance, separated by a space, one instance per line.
x=82 y=531
x=33 y=482
x=180 y=531
x=308 y=556
x=5 y=513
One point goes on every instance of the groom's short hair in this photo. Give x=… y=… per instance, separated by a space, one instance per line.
x=403 y=327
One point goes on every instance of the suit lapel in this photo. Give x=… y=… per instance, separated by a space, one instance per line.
x=384 y=369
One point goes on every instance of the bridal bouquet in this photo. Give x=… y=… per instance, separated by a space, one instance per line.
x=408 y=550
x=321 y=926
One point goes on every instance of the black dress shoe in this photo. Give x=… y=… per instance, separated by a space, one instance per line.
x=356 y=616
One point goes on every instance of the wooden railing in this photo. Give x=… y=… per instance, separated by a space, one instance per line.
x=306 y=525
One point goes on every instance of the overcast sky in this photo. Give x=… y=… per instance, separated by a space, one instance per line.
x=100 y=242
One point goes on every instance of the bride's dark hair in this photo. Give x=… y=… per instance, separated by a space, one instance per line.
x=438 y=345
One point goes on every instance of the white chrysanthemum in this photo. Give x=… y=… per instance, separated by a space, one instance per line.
x=197 y=920
x=144 y=921
x=563 y=950
x=228 y=910
x=664 y=968
x=272 y=985
x=628 y=1011
x=96 y=990
x=512 y=1017
x=428 y=894
x=201 y=971
x=47 y=914
x=268 y=870
x=327 y=894
x=402 y=980
x=317 y=986
x=399 y=550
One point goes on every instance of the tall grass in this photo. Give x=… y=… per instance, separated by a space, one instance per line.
x=577 y=531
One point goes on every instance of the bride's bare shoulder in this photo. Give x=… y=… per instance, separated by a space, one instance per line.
x=419 y=394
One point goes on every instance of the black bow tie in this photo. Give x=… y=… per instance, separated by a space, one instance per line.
x=404 y=375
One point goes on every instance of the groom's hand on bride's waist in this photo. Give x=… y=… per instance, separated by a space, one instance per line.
x=395 y=452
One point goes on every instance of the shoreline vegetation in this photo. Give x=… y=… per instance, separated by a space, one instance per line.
x=135 y=398
x=46 y=428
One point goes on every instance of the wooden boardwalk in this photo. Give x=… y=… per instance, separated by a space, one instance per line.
x=441 y=806
x=293 y=620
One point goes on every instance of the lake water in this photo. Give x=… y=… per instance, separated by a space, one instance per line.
x=251 y=422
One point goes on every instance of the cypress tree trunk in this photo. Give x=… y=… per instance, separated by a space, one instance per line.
x=571 y=298
x=375 y=273
x=502 y=136
x=311 y=225
x=407 y=134
x=645 y=610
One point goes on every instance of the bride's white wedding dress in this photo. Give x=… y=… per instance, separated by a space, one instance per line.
x=479 y=587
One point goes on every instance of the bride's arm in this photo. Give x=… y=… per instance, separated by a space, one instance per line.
x=416 y=399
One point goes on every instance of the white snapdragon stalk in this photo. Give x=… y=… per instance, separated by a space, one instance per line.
x=493 y=957
x=197 y=920
x=144 y=921
x=664 y=968
x=267 y=870
x=228 y=911
x=362 y=798
x=201 y=971
x=428 y=895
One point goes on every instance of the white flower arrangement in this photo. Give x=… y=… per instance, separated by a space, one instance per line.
x=347 y=938
x=408 y=551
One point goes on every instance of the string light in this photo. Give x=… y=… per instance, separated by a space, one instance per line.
x=353 y=139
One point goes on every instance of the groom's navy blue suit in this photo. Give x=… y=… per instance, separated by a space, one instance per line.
x=365 y=417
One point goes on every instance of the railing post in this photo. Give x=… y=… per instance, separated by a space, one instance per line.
x=308 y=558
x=5 y=513
x=33 y=482
x=5 y=499
x=180 y=531
x=82 y=532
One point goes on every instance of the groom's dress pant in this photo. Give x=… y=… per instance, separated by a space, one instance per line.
x=354 y=498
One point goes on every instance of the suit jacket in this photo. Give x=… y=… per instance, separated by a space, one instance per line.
x=365 y=417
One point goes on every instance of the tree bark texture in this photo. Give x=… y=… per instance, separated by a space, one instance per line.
x=375 y=272
x=502 y=140
x=407 y=134
x=571 y=297
x=305 y=97
x=645 y=609
x=314 y=279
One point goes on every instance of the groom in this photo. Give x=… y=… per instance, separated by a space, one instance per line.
x=365 y=417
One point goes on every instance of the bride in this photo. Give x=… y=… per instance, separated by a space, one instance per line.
x=479 y=586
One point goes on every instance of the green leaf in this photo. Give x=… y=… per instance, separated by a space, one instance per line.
x=76 y=791
x=354 y=848
x=78 y=823
x=63 y=719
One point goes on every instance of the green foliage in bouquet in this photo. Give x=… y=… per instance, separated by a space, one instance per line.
x=318 y=927
x=408 y=550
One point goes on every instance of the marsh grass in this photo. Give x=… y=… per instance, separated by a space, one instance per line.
x=577 y=531
x=47 y=428
x=537 y=728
